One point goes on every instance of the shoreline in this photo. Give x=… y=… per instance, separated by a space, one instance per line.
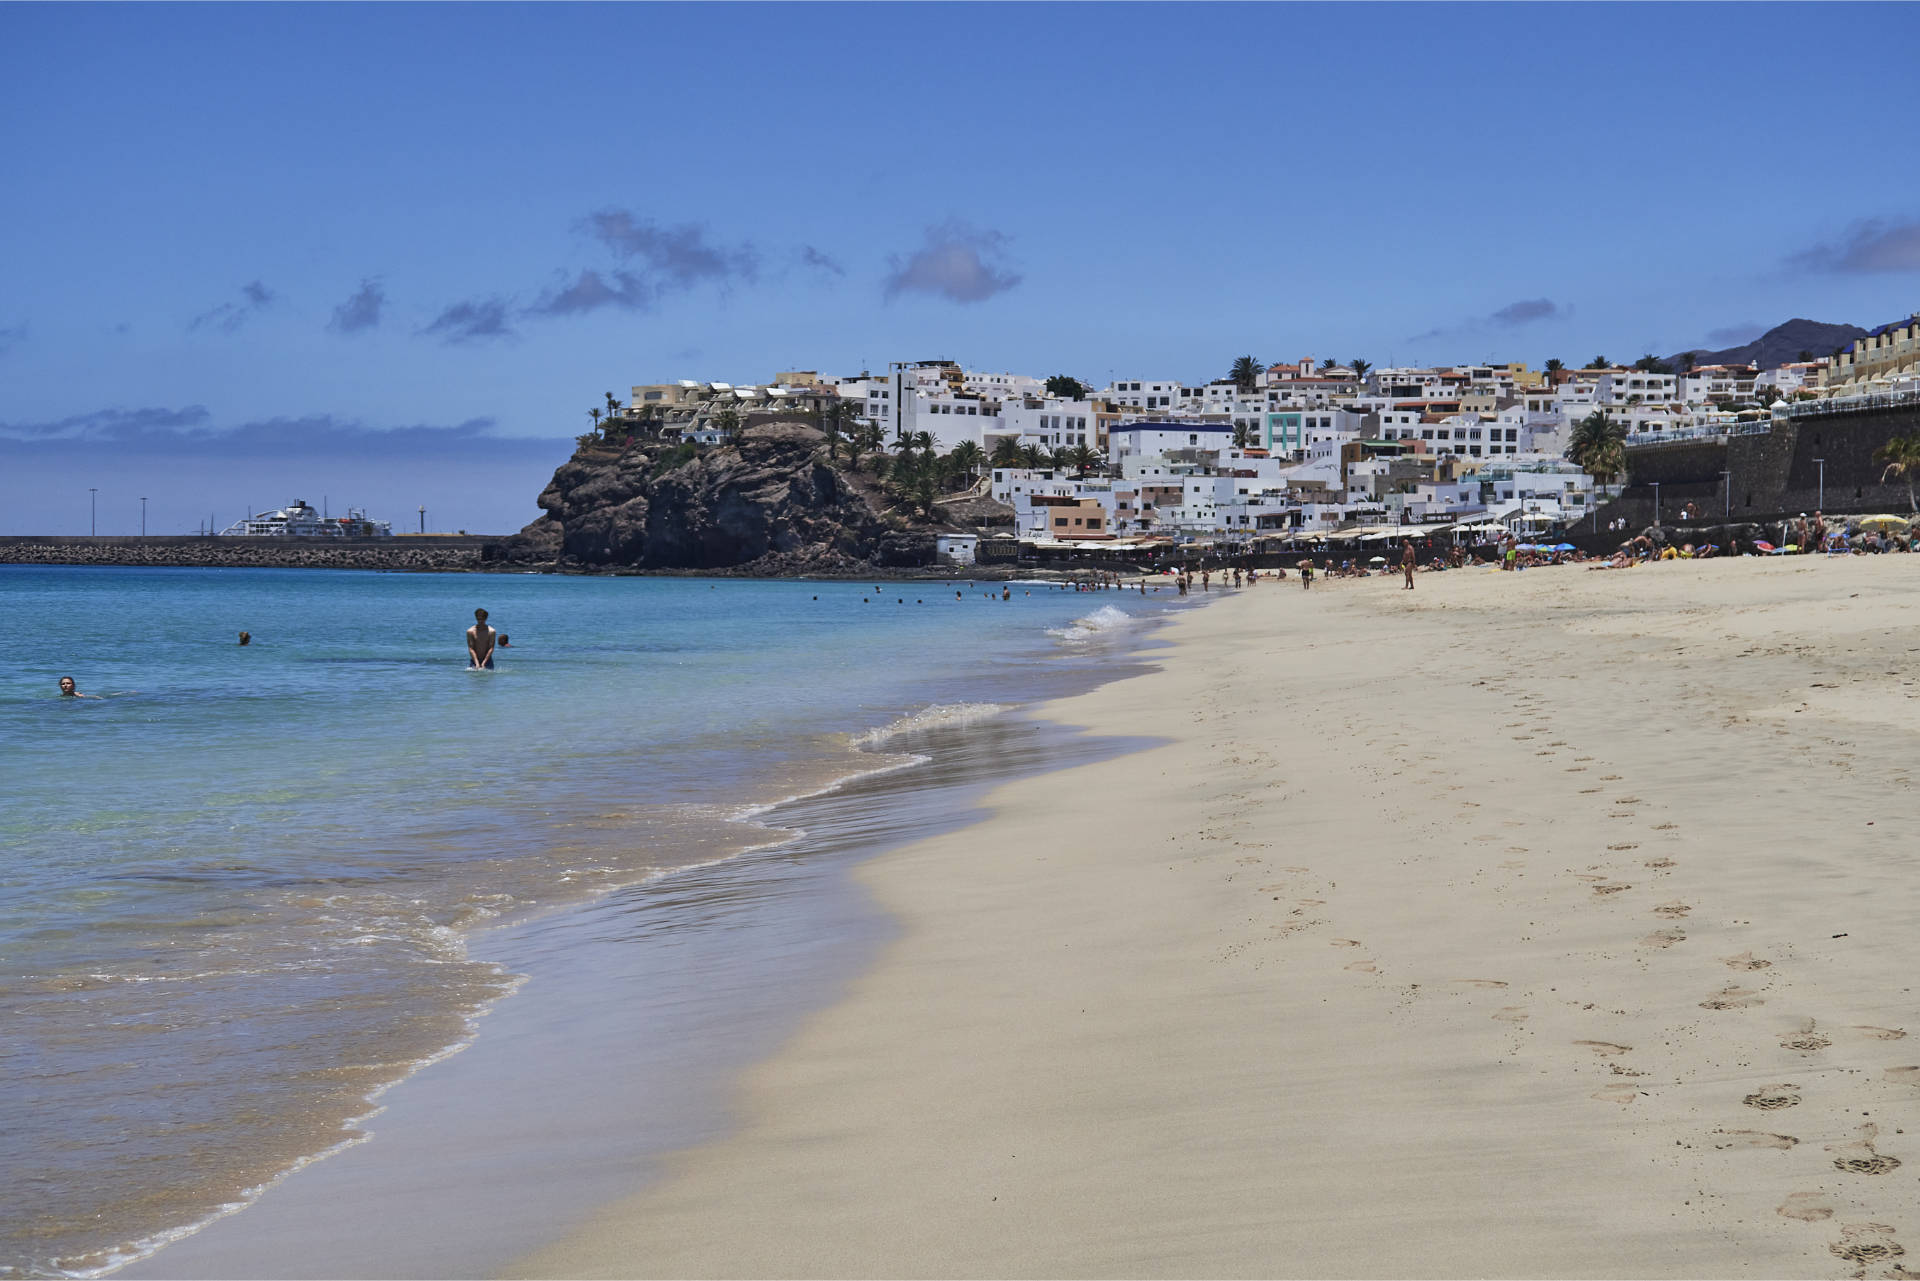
x=1492 y=930
x=413 y=1108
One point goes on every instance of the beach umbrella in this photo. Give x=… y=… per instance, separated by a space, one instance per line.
x=1378 y=560
x=1883 y=522
x=1563 y=547
x=1761 y=546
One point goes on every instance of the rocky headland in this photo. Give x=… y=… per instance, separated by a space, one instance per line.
x=772 y=502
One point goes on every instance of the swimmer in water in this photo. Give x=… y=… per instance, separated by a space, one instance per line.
x=70 y=690
x=246 y=638
x=480 y=642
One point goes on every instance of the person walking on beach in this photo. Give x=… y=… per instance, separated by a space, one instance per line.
x=1406 y=560
x=1306 y=574
x=480 y=642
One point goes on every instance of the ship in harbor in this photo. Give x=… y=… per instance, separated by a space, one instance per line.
x=299 y=520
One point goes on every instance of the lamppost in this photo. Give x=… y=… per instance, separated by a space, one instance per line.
x=1820 y=499
x=1726 y=477
x=423 y=520
x=143 y=518
x=93 y=511
x=1656 y=502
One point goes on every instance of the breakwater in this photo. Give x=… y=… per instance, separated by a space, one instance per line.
x=435 y=552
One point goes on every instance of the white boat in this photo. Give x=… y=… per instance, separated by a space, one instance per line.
x=299 y=520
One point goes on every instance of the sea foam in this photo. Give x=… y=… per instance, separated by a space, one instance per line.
x=1102 y=621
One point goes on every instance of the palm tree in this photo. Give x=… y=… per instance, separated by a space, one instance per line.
x=595 y=415
x=1598 y=445
x=1060 y=459
x=1599 y=362
x=1902 y=458
x=1329 y=363
x=831 y=419
x=968 y=456
x=1084 y=458
x=613 y=405
x=1360 y=367
x=728 y=422
x=1242 y=435
x=1245 y=373
x=1006 y=452
x=1032 y=458
x=1686 y=360
x=1554 y=366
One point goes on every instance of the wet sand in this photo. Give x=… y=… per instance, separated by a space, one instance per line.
x=1549 y=924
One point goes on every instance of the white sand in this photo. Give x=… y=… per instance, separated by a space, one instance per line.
x=1444 y=937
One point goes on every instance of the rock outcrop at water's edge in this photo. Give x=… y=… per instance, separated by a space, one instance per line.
x=768 y=503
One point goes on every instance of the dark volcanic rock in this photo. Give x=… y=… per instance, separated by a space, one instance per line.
x=768 y=502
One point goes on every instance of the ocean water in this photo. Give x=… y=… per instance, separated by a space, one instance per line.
x=243 y=891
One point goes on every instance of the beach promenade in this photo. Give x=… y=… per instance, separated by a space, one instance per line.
x=1543 y=924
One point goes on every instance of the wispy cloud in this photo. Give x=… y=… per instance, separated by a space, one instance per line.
x=1870 y=247
x=811 y=257
x=361 y=311
x=653 y=261
x=958 y=262
x=1527 y=311
x=675 y=257
x=109 y=424
x=190 y=431
x=475 y=320
x=229 y=316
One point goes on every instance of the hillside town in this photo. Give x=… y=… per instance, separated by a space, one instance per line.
x=1293 y=449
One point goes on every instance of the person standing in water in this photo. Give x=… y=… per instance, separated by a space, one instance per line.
x=480 y=642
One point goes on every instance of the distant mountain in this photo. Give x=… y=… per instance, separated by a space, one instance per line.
x=1778 y=346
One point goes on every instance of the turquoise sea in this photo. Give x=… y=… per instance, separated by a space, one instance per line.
x=249 y=887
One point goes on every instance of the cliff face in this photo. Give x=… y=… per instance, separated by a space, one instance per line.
x=766 y=503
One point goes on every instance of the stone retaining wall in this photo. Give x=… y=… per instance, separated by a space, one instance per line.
x=392 y=554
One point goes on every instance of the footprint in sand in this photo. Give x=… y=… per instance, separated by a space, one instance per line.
x=1610 y=778
x=1363 y=967
x=1880 y=1033
x=1583 y=758
x=1673 y=909
x=1512 y=1014
x=1481 y=982
x=1310 y=902
x=1514 y=864
x=1808 y=1207
x=1605 y=1049
x=1903 y=1075
x=1626 y=800
x=1754 y=1139
x=1745 y=961
x=1665 y=827
x=1732 y=998
x=1806 y=1040
x=1866 y=1244
x=1610 y=887
x=1858 y=1157
x=1771 y=1098
x=1588 y=791
x=1660 y=864
x=1625 y=845
x=1664 y=938
x=1621 y=1094
x=1344 y=942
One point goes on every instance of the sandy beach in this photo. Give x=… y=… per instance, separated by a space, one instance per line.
x=1543 y=924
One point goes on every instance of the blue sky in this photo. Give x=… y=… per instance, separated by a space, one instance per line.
x=391 y=254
